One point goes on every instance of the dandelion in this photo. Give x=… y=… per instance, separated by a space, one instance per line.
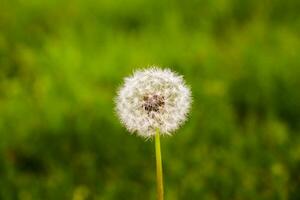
x=153 y=102
x=153 y=99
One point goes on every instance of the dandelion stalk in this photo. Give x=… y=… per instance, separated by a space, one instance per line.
x=159 y=171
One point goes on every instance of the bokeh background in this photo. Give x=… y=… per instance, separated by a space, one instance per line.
x=61 y=63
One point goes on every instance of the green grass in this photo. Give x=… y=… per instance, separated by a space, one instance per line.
x=62 y=61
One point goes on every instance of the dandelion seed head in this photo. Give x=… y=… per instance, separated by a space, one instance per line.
x=151 y=99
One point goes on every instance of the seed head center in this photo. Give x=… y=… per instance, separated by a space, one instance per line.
x=153 y=102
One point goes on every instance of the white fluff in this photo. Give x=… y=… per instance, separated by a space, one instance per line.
x=153 y=99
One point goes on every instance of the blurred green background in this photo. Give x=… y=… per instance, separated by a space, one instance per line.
x=62 y=61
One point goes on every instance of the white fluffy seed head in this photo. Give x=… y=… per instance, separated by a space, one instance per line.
x=153 y=99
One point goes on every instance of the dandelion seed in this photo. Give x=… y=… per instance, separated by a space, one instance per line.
x=153 y=99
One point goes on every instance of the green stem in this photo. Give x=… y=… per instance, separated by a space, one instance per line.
x=159 y=172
